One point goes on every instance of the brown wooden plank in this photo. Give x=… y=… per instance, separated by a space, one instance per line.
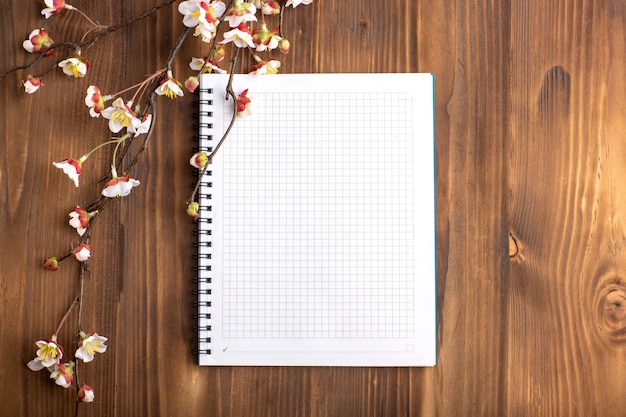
x=566 y=320
x=467 y=46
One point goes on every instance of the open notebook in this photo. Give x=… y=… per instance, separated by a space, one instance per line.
x=317 y=222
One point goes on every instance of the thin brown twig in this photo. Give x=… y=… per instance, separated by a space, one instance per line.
x=99 y=35
x=280 y=18
x=229 y=92
x=114 y=28
x=144 y=144
x=83 y=268
x=74 y=46
x=67 y=314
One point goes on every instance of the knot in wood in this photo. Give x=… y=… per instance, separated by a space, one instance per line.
x=615 y=307
x=611 y=309
x=513 y=246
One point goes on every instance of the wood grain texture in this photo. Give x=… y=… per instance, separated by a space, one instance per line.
x=566 y=315
x=530 y=216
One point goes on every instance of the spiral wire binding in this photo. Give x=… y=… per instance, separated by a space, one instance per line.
x=202 y=278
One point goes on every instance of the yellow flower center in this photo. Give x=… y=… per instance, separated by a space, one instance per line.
x=91 y=347
x=120 y=117
x=167 y=90
x=48 y=352
x=75 y=71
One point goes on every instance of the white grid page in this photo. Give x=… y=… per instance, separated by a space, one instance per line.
x=318 y=217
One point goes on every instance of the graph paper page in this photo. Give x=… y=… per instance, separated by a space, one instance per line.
x=323 y=222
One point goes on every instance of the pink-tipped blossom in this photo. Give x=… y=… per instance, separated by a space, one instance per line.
x=79 y=219
x=144 y=126
x=121 y=116
x=240 y=13
x=89 y=345
x=38 y=40
x=296 y=3
x=196 y=12
x=265 y=39
x=71 y=167
x=243 y=104
x=270 y=7
x=32 y=84
x=82 y=252
x=55 y=7
x=119 y=186
x=210 y=65
x=95 y=100
x=49 y=353
x=76 y=66
x=265 y=67
x=170 y=87
x=240 y=36
x=63 y=374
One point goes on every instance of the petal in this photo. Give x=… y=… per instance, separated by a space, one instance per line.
x=28 y=45
x=218 y=8
x=187 y=7
x=110 y=191
x=35 y=365
x=114 y=126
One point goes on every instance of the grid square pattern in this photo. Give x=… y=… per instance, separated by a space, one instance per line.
x=318 y=218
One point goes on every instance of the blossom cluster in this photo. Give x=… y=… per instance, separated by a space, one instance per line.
x=204 y=18
x=247 y=29
x=50 y=355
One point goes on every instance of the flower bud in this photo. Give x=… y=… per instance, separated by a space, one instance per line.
x=199 y=160
x=51 y=264
x=243 y=104
x=192 y=210
x=192 y=83
x=271 y=8
x=85 y=394
x=82 y=252
x=218 y=53
x=95 y=100
x=283 y=46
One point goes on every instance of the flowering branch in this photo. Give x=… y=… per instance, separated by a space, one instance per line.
x=102 y=31
x=244 y=26
x=119 y=26
x=229 y=93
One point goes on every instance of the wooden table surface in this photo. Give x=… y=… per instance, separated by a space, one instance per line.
x=531 y=212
